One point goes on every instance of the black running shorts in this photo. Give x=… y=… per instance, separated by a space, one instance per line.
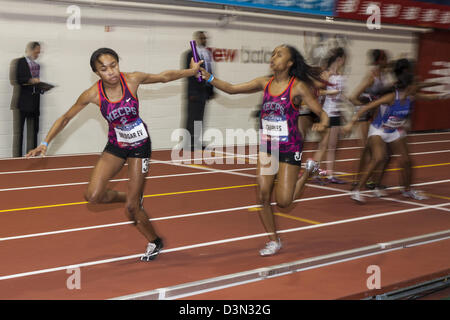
x=143 y=151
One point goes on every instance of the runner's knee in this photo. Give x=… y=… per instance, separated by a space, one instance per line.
x=131 y=210
x=93 y=197
x=284 y=202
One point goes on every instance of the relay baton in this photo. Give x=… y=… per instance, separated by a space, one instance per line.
x=196 y=59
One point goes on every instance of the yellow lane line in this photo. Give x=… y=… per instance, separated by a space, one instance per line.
x=295 y=218
x=436 y=196
x=145 y=196
x=287 y=216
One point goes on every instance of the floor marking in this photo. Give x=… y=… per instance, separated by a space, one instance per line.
x=284 y=215
x=135 y=256
x=296 y=218
x=251 y=157
x=123 y=179
x=244 y=277
x=254 y=207
x=436 y=196
x=145 y=196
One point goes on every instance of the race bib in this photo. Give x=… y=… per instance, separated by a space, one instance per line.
x=131 y=133
x=276 y=127
x=394 y=122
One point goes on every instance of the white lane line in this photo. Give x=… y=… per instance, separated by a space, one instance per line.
x=169 y=149
x=202 y=167
x=211 y=243
x=193 y=214
x=195 y=160
x=125 y=179
x=353 y=148
x=194 y=166
x=369 y=192
x=244 y=277
x=46 y=170
x=177 y=216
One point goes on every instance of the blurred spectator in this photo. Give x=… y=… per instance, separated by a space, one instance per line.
x=198 y=93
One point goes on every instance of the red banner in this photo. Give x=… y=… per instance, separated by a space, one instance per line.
x=433 y=64
x=414 y=13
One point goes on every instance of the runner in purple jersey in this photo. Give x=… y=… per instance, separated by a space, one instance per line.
x=128 y=138
x=280 y=140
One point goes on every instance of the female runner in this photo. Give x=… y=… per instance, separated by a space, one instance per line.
x=387 y=128
x=128 y=138
x=281 y=141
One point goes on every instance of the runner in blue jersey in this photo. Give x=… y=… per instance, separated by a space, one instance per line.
x=388 y=127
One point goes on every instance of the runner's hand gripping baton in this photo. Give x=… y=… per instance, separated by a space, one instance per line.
x=196 y=59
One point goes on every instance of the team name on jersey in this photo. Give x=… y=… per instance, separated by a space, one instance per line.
x=401 y=113
x=273 y=106
x=121 y=112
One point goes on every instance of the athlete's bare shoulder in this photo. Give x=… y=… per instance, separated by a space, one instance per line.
x=90 y=95
x=264 y=80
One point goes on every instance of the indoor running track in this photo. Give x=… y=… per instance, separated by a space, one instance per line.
x=51 y=240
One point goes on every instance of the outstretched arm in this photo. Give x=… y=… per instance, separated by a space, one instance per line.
x=165 y=76
x=251 y=86
x=83 y=100
x=386 y=99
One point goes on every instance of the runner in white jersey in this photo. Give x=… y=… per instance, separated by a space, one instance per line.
x=332 y=103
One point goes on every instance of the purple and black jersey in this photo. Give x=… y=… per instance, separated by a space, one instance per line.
x=126 y=128
x=279 y=122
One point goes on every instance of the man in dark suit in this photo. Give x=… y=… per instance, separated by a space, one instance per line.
x=198 y=93
x=28 y=102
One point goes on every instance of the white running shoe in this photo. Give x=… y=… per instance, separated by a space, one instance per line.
x=414 y=194
x=271 y=248
x=153 y=250
x=312 y=166
x=357 y=197
x=379 y=192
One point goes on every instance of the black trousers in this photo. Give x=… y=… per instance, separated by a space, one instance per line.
x=195 y=112
x=32 y=123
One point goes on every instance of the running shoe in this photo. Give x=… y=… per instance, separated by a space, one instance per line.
x=319 y=180
x=153 y=250
x=336 y=180
x=312 y=166
x=379 y=192
x=271 y=248
x=414 y=194
x=357 y=197
x=370 y=185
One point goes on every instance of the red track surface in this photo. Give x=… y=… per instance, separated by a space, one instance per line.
x=38 y=242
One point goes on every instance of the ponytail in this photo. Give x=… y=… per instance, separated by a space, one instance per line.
x=335 y=54
x=403 y=71
x=301 y=70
